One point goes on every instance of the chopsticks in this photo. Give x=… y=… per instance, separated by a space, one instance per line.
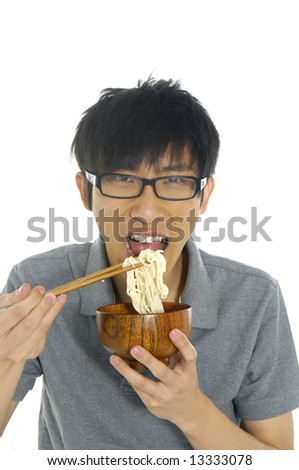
x=93 y=278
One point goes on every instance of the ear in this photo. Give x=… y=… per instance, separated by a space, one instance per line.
x=209 y=188
x=82 y=185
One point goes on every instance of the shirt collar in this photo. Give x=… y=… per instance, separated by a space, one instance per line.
x=100 y=293
x=198 y=291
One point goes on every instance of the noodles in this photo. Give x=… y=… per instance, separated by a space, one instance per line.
x=145 y=285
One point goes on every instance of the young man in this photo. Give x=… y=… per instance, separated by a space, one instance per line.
x=147 y=157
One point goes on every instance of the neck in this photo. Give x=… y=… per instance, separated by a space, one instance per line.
x=176 y=279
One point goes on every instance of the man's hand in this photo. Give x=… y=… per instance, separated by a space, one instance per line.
x=26 y=316
x=176 y=396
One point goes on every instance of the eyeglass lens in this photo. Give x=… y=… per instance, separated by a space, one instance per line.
x=172 y=187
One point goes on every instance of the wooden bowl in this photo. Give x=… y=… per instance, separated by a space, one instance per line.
x=120 y=328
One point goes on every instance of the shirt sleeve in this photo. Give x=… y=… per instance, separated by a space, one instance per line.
x=271 y=384
x=32 y=368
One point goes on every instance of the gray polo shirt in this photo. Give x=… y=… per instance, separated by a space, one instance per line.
x=246 y=363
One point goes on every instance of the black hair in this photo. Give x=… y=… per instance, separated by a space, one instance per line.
x=128 y=127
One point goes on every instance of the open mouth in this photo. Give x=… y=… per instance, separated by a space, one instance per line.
x=139 y=241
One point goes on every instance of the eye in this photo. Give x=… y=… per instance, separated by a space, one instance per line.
x=121 y=178
x=174 y=180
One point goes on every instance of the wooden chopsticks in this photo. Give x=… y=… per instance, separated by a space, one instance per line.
x=93 y=278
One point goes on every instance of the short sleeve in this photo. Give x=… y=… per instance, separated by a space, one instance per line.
x=13 y=282
x=271 y=384
x=32 y=368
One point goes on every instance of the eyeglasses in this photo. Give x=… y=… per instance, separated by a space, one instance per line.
x=122 y=186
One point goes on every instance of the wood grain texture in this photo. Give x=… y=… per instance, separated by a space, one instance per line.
x=120 y=328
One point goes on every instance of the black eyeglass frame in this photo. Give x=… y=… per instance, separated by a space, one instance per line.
x=95 y=180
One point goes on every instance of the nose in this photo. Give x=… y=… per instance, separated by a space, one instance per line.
x=147 y=206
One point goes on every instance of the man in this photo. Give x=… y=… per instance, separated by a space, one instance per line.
x=147 y=157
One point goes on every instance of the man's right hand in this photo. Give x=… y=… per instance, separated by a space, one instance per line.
x=26 y=316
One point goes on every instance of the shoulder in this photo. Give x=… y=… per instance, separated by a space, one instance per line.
x=53 y=267
x=61 y=252
x=236 y=275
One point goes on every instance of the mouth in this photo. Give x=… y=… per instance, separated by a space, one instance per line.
x=137 y=242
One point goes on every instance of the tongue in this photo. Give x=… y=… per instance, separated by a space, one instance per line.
x=136 y=247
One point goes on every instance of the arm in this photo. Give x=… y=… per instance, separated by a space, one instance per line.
x=211 y=429
x=10 y=374
x=178 y=398
x=10 y=412
x=25 y=318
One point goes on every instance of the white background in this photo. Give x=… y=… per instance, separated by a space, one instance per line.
x=238 y=57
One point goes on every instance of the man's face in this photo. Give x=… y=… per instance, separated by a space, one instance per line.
x=162 y=224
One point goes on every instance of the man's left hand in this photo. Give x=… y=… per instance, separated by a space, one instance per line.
x=176 y=395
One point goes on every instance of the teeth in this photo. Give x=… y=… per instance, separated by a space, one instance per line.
x=146 y=239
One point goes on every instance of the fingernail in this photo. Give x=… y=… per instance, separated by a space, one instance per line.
x=41 y=290
x=50 y=299
x=114 y=360
x=20 y=288
x=62 y=299
x=136 y=351
x=176 y=334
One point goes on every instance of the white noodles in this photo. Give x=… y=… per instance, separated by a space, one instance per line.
x=145 y=285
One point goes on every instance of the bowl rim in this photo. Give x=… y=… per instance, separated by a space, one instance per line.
x=184 y=306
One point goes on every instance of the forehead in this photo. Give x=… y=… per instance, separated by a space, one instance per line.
x=169 y=162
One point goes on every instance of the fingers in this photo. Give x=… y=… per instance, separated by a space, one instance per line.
x=187 y=351
x=19 y=308
x=25 y=321
x=186 y=357
x=160 y=370
x=177 y=387
x=174 y=359
x=38 y=320
x=33 y=344
x=138 y=381
x=9 y=299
